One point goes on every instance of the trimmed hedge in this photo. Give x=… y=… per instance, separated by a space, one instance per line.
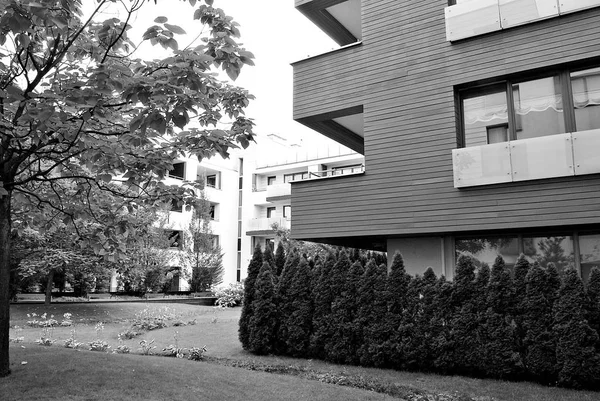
x=533 y=323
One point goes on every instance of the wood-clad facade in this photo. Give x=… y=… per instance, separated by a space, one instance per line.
x=406 y=77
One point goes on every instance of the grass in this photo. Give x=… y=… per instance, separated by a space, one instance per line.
x=217 y=330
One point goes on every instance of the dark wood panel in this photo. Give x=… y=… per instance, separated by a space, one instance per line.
x=405 y=75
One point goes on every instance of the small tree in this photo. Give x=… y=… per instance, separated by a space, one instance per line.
x=593 y=302
x=578 y=362
x=520 y=307
x=322 y=299
x=372 y=309
x=540 y=358
x=262 y=326
x=347 y=335
x=283 y=298
x=253 y=270
x=396 y=296
x=299 y=320
x=279 y=258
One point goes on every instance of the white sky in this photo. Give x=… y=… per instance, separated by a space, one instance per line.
x=277 y=34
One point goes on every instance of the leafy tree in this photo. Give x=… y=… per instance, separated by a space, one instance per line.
x=372 y=309
x=76 y=105
x=299 y=320
x=253 y=270
x=200 y=252
x=578 y=362
x=263 y=322
x=279 y=258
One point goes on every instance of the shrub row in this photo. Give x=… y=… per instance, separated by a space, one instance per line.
x=530 y=323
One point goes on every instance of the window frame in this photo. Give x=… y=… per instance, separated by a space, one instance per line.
x=287 y=208
x=270 y=211
x=177 y=177
x=506 y=85
x=271 y=180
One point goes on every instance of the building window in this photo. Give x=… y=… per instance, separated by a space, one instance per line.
x=287 y=211
x=295 y=177
x=175 y=238
x=357 y=168
x=486 y=249
x=271 y=180
x=212 y=211
x=211 y=181
x=271 y=212
x=175 y=206
x=589 y=250
x=557 y=249
x=568 y=101
x=178 y=171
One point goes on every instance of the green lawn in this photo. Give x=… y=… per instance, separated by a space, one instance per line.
x=94 y=375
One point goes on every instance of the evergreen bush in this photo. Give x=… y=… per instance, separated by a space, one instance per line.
x=263 y=322
x=298 y=320
x=396 y=290
x=322 y=299
x=253 y=270
x=592 y=305
x=279 y=258
x=283 y=299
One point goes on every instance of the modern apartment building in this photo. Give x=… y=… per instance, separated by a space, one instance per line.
x=250 y=193
x=479 y=122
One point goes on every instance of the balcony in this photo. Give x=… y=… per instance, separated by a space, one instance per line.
x=264 y=226
x=468 y=18
x=528 y=159
x=340 y=19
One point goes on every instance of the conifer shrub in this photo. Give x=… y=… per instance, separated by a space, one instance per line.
x=298 y=321
x=279 y=258
x=283 y=299
x=539 y=341
x=397 y=284
x=578 y=363
x=322 y=298
x=372 y=308
x=592 y=303
x=342 y=347
x=520 y=271
x=253 y=270
x=263 y=322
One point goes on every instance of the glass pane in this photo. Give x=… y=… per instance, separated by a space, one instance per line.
x=538 y=108
x=586 y=98
x=558 y=250
x=481 y=112
x=485 y=250
x=589 y=248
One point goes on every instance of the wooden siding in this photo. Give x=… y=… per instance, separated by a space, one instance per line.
x=404 y=75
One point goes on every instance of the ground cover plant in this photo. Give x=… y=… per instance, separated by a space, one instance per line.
x=267 y=375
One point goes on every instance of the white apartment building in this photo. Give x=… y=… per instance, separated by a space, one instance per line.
x=250 y=192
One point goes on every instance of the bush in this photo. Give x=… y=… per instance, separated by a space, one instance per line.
x=249 y=282
x=263 y=323
x=228 y=295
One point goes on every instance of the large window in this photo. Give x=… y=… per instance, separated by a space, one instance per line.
x=567 y=101
x=178 y=171
x=271 y=212
x=558 y=249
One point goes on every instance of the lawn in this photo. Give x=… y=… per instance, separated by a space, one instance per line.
x=59 y=373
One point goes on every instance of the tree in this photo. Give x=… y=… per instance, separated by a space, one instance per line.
x=299 y=320
x=396 y=295
x=283 y=297
x=592 y=305
x=578 y=362
x=253 y=270
x=75 y=104
x=279 y=258
x=201 y=253
x=262 y=326
x=322 y=298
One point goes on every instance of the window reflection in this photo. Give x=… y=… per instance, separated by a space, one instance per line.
x=586 y=98
x=589 y=248
x=558 y=250
x=485 y=250
x=538 y=108
x=485 y=117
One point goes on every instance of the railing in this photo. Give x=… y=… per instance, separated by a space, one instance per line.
x=335 y=172
x=477 y=17
x=304 y=155
x=265 y=224
x=528 y=159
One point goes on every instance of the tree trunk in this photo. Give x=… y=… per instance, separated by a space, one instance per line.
x=4 y=283
x=49 y=285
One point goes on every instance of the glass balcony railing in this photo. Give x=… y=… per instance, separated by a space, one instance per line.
x=528 y=159
x=266 y=224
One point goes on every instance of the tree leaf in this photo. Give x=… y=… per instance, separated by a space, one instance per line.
x=161 y=20
x=175 y=29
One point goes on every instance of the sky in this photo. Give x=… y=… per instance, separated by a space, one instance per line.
x=277 y=34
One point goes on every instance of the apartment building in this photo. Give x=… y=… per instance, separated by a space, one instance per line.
x=250 y=194
x=479 y=122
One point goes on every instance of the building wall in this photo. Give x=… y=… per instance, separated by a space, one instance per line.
x=405 y=74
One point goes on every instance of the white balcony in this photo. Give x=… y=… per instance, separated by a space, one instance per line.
x=468 y=18
x=527 y=159
x=276 y=190
x=266 y=224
